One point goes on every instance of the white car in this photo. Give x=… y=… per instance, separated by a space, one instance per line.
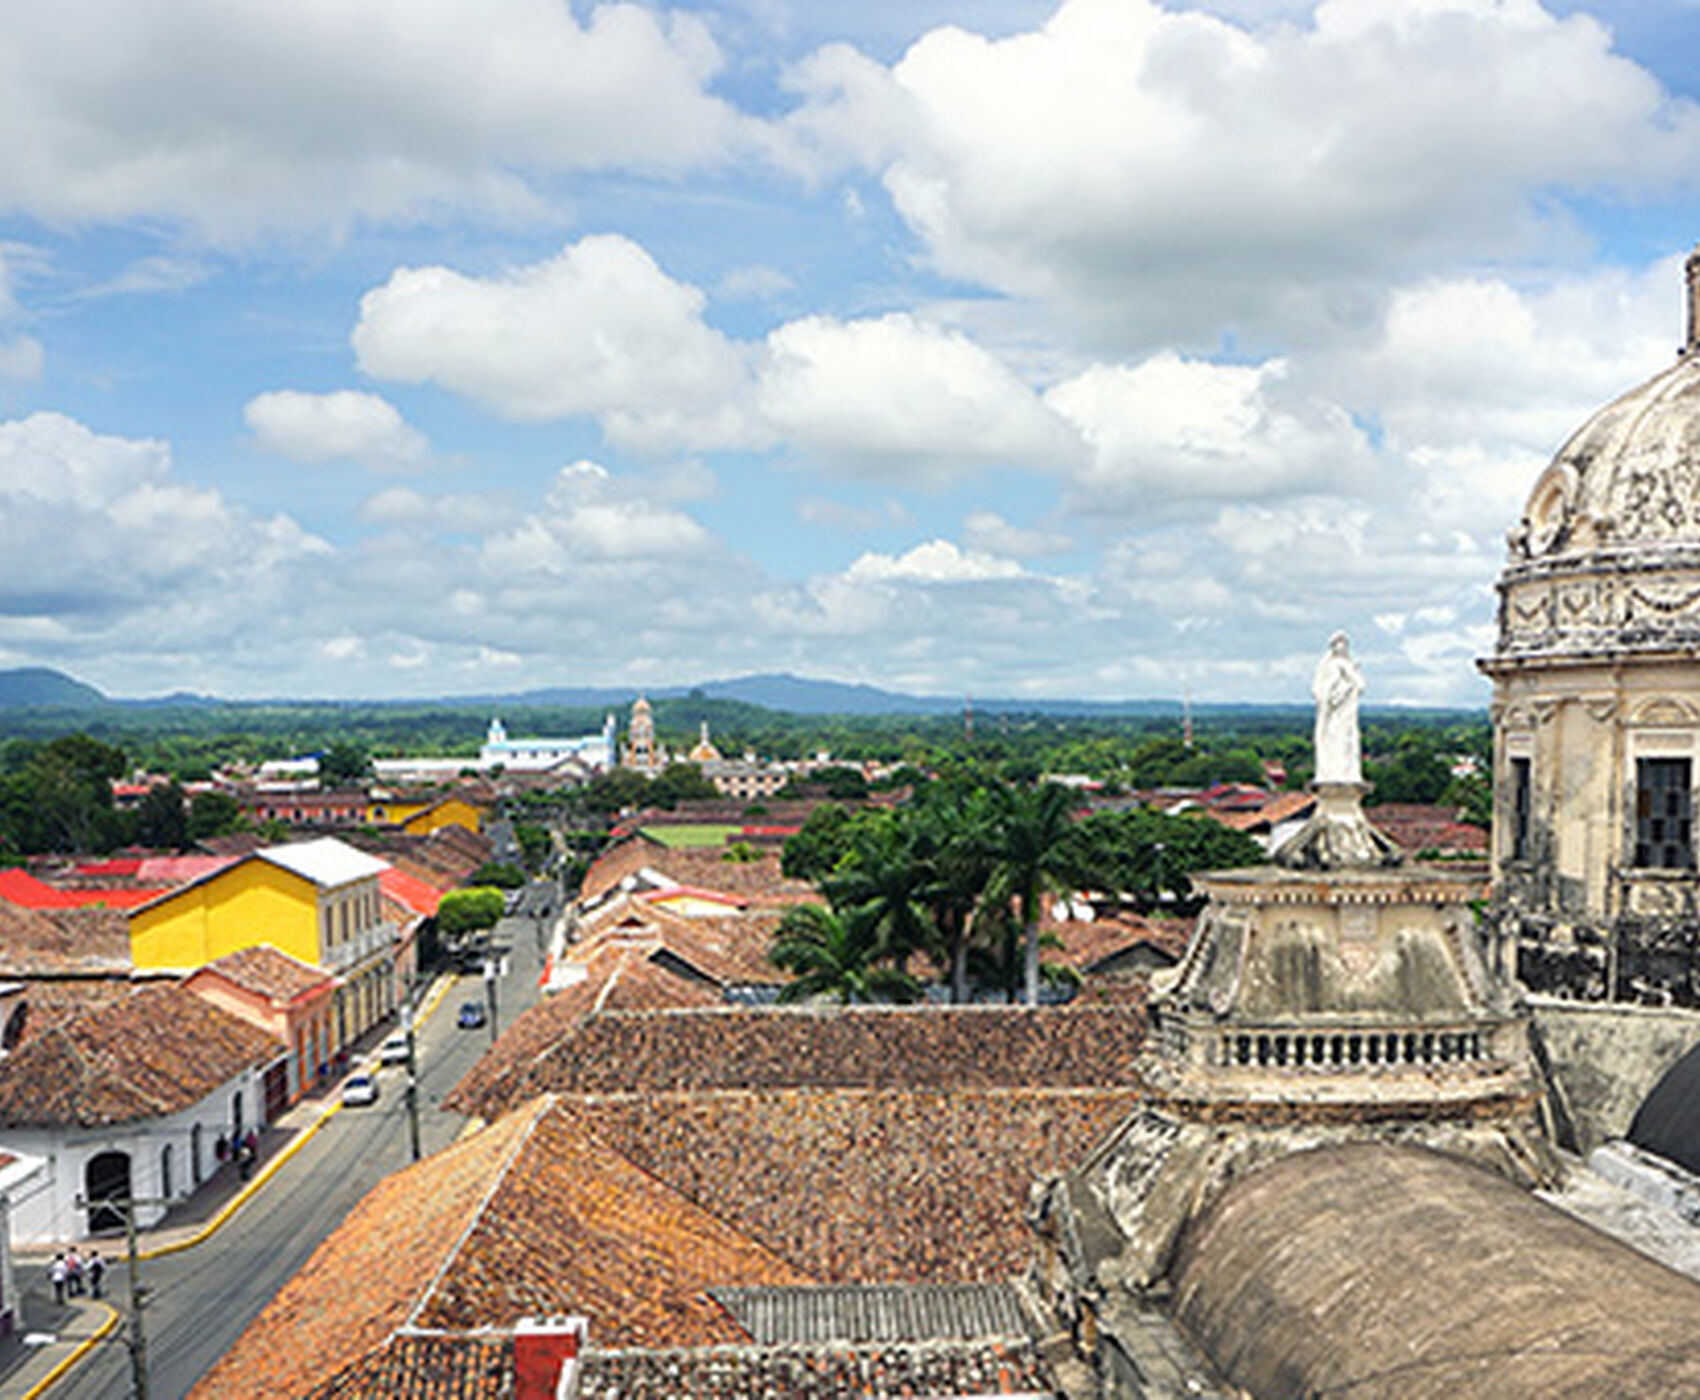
x=394 y=1049
x=358 y=1090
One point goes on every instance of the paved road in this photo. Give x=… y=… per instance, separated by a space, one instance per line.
x=204 y=1297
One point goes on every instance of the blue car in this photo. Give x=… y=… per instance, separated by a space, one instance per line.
x=471 y=1015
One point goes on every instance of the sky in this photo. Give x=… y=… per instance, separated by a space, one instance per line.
x=1102 y=349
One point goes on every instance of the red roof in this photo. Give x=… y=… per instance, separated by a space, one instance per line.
x=409 y=891
x=22 y=888
x=119 y=866
x=180 y=870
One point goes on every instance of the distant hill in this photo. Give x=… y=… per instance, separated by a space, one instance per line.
x=39 y=688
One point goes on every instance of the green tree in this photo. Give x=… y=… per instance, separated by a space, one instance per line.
x=681 y=782
x=162 y=818
x=344 y=765
x=880 y=879
x=819 y=844
x=954 y=830
x=834 y=954
x=498 y=875
x=468 y=911
x=213 y=814
x=1029 y=860
x=61 y=797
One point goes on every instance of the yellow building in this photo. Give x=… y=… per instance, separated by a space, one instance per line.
x=316 y=901
x=422 y=816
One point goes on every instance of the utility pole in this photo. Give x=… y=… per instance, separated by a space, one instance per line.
x=490 y=969
x=137 y=1342
x=412 y=1093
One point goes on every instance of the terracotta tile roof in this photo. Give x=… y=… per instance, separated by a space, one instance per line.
x=411 y=893
x=1088 y=945
x=1284 y=806
x=395 y=1241
x=860 y=1047
x=1420 y=827
x=262 y=969
x=47 y=1001
x=617 y=978
x=157 y=1051
x=1008 y=1366
x=533 y=1216
x=866 y=1186
x=417 y=1365
x=427 y=1366
x=87 y=942
x=756 y=880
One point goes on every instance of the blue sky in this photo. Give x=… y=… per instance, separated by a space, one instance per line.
x=1102 y=349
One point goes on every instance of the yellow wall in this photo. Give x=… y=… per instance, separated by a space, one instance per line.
x=451 y=811
x=249 y=903
x=393 y=813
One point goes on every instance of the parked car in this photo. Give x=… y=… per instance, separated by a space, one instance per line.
x=471 y=1015
x=394 y=1049
x=359 y=1089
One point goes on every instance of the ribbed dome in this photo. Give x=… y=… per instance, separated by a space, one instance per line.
x=1631 y=473
x=1606 y=561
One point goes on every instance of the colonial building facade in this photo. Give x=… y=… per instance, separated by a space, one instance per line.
x=1596 y=704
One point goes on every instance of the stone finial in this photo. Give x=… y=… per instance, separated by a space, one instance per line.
x=1692 y=268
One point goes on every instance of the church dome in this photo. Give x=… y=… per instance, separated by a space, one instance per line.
x=1630 y=475
x=1606 y=559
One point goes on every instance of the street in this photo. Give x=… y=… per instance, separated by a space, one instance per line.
x=201 y=1299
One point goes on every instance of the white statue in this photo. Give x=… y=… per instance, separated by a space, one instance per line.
x=1337 y=685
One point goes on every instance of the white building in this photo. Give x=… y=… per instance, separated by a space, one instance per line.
x=539 y=755
x=128 y=1100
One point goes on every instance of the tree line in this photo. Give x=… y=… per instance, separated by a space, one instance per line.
x=956 y=877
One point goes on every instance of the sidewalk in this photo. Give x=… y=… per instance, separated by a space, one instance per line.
x=58 y=1333
x=62 y=1332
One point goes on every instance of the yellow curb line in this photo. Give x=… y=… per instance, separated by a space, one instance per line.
x=240 y=1199
x=57 y=1374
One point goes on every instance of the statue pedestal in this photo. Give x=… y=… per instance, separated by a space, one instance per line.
x=1338 y=836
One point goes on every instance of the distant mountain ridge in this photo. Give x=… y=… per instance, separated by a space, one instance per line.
x=39 y=687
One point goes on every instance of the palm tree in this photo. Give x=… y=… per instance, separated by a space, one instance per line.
x=1031 y=859
x=834 y=954
x=881 y=878
x=953 y=831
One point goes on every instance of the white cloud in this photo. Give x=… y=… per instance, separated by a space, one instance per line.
x=345 y=426
x=21 y=359
x=598 y=330
x=839 y=515
x=936 y=561
x=1171 y=428
x=93 y=527
x=1165 y=174
x=237 y=117
x=899 y=397
x=988 y=532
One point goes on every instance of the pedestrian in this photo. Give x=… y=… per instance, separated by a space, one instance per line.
x=245 y=1159
x=96 y=1270
x=56 y=1276
x=73 y=1272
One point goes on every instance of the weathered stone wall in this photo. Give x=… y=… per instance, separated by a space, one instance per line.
x=1605 y=1059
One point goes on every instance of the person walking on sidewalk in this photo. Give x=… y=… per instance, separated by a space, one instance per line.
x=96 y=1271
x=56 y=1275
x=73 y=1273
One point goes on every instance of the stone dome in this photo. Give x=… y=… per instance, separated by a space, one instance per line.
x=1606 y=559
x=1630 y=474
